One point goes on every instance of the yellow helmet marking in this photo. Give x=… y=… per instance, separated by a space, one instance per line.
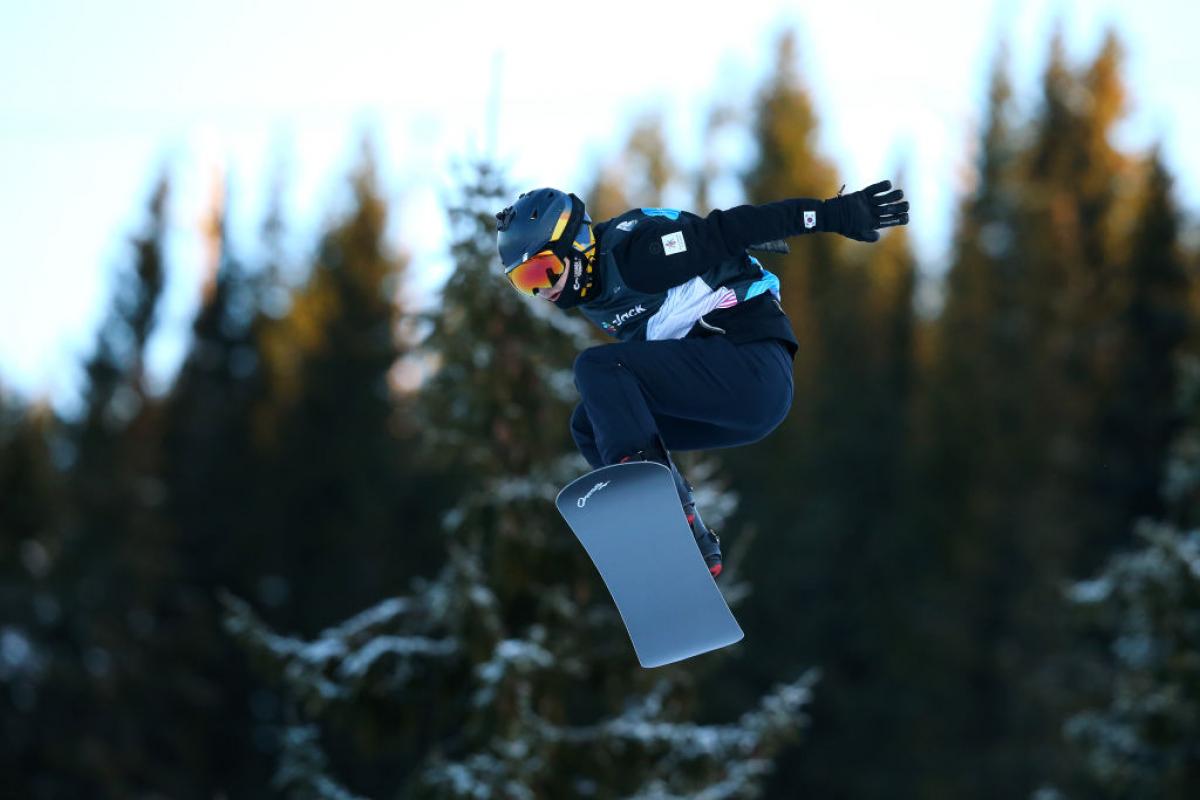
x=560 y=225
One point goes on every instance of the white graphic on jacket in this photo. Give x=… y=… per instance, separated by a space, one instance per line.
x=684 y=305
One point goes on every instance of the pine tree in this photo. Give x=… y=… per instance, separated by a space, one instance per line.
x=1140 y=418
x=110 y=580
x=772 y=477
x=1021 y=484
x=212 y=466
x=1076 y=184
x=1138 y=738
x=981 y=450
x=722 y=119
x=639 y=176
x=1141 y=738
x=215 y=473
x=30 y=543
x=1074 y=238
x=821 y=490
x=342 y=498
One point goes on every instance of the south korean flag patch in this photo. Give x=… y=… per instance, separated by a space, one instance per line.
x=810 y=219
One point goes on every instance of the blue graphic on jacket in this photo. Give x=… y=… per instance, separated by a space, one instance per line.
x=768 y=283
x=669 y=213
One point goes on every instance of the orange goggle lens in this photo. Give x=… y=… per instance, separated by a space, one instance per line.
x=537 y=274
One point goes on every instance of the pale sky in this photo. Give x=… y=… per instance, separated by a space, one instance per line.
x=97 y=98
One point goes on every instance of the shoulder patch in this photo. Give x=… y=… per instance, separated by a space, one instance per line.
x=627 y=225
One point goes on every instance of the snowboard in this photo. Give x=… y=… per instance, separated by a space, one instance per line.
x=629 y=520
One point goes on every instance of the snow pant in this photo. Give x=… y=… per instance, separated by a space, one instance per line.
x=694 y=394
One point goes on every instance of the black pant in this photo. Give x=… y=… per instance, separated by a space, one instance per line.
x=696 y=394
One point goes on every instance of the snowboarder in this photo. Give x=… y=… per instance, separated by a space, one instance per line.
x=705 y=352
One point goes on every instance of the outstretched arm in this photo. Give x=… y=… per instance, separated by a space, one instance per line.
x=665 y=254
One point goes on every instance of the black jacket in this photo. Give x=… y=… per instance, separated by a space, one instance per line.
x=663 y=249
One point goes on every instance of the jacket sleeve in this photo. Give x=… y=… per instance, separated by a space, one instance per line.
x=666 y=253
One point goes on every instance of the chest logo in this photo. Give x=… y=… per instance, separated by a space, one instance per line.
x=620 y=319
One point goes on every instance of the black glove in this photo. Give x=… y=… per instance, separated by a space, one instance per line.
x=858 y=215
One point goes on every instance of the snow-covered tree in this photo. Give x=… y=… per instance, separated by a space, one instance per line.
x=1144 y=739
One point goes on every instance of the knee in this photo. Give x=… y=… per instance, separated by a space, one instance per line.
x=777 y=414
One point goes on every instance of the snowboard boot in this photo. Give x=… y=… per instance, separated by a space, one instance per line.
x=706 y=539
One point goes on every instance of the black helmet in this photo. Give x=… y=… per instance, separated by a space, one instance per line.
x=544 y=219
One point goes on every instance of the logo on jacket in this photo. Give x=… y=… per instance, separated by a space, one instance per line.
x=627 y=225
x=810 y=219
x=625 y=316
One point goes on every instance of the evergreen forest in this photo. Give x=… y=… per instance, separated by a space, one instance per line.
x=323 y=562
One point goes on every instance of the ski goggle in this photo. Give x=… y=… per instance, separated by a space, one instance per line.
x=537 y=274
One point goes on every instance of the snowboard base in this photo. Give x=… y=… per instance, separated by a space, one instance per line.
x=629 y=520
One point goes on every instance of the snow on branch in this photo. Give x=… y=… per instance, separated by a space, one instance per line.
x=737 y=755
x=1142 y=739
x=303 y=767
x=511 y=656
x=336 y=665
x=480 y=777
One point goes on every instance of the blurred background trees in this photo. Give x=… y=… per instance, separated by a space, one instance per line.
x=299 y=571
